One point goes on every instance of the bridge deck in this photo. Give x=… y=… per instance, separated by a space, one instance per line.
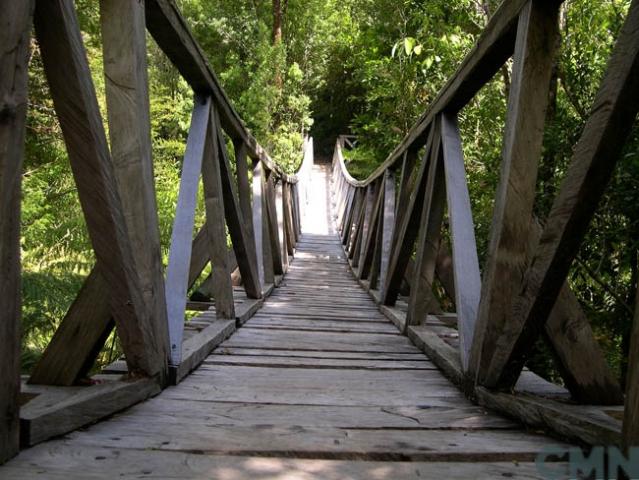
x=318 y=384
x=317 y=381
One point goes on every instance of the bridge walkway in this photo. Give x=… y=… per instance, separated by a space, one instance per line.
x=317 y=384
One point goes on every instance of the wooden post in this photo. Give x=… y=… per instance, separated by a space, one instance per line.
x=465 y=262
x=243 y=185
x=273 y=225
x=243 y=244
x=368 y=212
x=76 y=104
x=366 y=263
x=268 y=257
x=177 y=272
x=281 y=223
x=14 y=60
x=407 y=227
x=594 y=158
x=127 y=95
x=507 y=256
x=258 y=218
x=288 y=218
x=215 y=226
x=388 y=226
x=421 y=296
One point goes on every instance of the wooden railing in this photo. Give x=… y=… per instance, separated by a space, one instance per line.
x=127 y=288
x=522 y=292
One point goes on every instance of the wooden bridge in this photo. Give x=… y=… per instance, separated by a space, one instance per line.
x=325 y=353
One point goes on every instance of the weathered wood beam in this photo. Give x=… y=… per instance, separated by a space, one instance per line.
x=355 y=243
x=407 y=229
x=368 y=213
x=612 y=115
x=281 y=224
x=243 y=244
x=349 y=217
x=388 y=226
x=177 y=272
x=72 y=350
x=507 y=257
x=378 y=241
x=14 y=60
x=257 y=219
x=268 y=259
x=273 y=225
x=76 y=104
x=465 y=262
x=421 y=295
x=288 y=218
x=128 y=109
x=215 y=225
x=366 y=262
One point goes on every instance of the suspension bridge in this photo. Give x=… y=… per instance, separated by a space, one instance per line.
x=320 y=349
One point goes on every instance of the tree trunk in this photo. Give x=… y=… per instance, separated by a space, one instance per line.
x=277 y=22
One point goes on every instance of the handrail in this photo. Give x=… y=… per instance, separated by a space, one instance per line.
x=172 y=34
x=522 y=291
x=494 y=46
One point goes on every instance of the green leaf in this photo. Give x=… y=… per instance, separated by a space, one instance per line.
x=409 y=44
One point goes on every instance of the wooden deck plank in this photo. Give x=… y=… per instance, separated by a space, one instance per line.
x=61 y=462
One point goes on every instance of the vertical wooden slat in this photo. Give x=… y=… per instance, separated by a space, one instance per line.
x=14 y=61
x=355 y=242
x=421 y=296
x=351 y=221
x=75 y=101
x=366 y=263
x=596 y=153
x=465 y=262
x=258 y=217
x=295 y=196
x=243 y=185
x=267 y=246
x=408 y=165
x=508 y=254
x=378 y=242
x=127 y=95
x=281 y=223
x=407 y=227
x=273 y=225
x=368 y=212
x=243 y=244
x=288 y=218
x=388 y=226
x=177 y=272
x=215 y=227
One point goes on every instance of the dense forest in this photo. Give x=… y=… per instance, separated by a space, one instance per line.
x=327 y=67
